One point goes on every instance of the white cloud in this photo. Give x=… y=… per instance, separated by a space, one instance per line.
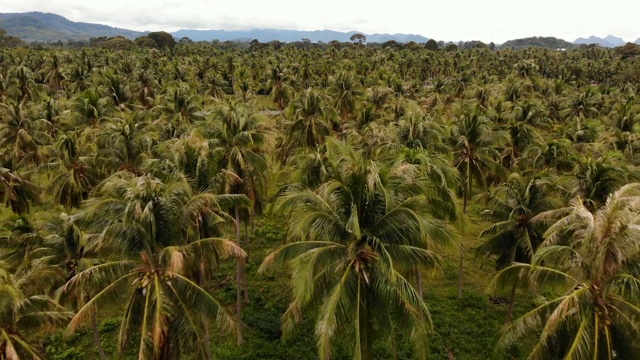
x=489 y=20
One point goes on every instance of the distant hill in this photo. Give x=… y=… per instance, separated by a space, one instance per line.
x=609 y=41
x=637 y=41
x=47 y=27
x=543 y=42
x=267 y=35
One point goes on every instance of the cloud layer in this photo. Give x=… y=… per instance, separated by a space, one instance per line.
x=489 y=20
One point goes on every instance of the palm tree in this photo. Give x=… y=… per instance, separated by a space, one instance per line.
x=417 y=130
x=17 y=192
x=25 y=83
x=21 y=136
x=24 y=310
x=66 y=247
x=595 y=178
x=512 y=236
x=238 y=143
x=348 y=93
x=590 y=259
x=89 y=108
x=155 y=227
x=475 y=148
x=308 y=121
x=54 y=74
x=77 y=175
x=144 y=88
x=352 y=239
x=278 y=81
x=557 y=154
x=179 y=107
x=125 y=143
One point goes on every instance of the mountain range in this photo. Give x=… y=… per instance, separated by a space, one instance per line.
x=266 y=35
x=47 y=27
x=609 y=41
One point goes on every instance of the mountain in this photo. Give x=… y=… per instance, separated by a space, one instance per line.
x=543 y=42
x=609 y=41
x=267 y=35
x=637 y=41
x=47 y=27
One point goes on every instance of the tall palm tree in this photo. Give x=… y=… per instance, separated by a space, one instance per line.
x=348 y=94
x=308 y=121
x=180 y=107
x=278 y=81
x=20 y=136
x=238 y=143
x=89 y=108
x=590 y=260
x=17 y=192
x=66 y=248
x=475 y=148
x=77 y=175
x=24 y=310
x=512 y=236
x=352 y=240
x=595 y=178
x=155 y=229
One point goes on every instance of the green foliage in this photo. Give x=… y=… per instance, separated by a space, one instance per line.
x=345 y=165
x=145 y=42
x=543 y=42
x=108 y=325
x=117 y=43
x=162 y=39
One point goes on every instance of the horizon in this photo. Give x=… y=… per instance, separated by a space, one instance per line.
x=498 y=20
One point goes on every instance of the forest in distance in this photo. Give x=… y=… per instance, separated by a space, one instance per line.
x=279 y=201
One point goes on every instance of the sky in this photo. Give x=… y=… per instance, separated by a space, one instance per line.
x=449 y=20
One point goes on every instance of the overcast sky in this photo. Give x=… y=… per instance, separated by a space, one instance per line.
x=452 y=20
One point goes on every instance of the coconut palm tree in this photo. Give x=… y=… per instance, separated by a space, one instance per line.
x=596 y=177
x=348 y=94
x=589 y=261
x=76 y=175
x=512 y=236
x=24 y=310
x=66 y=248
x=89 y=108
x=238 y=143
x=21 y=136
x=155 y=228
x=475 y=146
x=180 y=107
x=279 y=79
x=17 y=192
x=308 y=121
x=352 y=240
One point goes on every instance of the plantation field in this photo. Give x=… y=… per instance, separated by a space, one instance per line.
x=339 y=201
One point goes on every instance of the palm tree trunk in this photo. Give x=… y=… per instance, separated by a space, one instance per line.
x=366 y=351
x=205 y=326
x=96 y=335
x=419 y=282
x=512 y=300
x=461 y=271
x=166 y=349
x=467 y=188
x=207 y=343
x=239 y=283
x=245 y=282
